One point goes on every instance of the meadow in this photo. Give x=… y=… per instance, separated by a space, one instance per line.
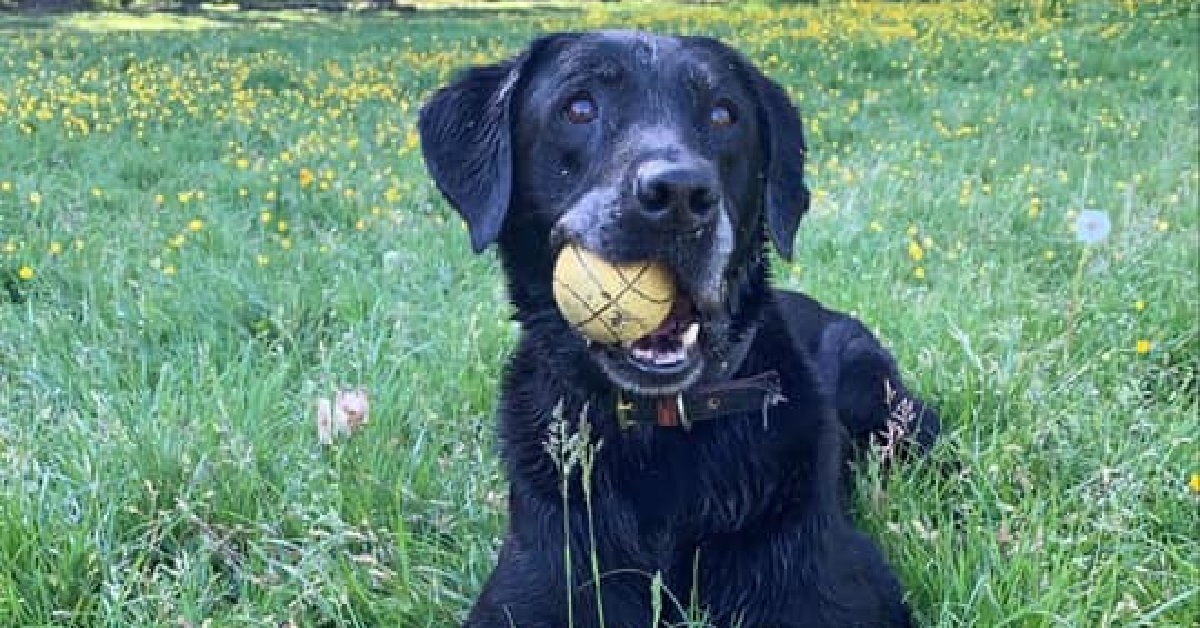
x=207 y=225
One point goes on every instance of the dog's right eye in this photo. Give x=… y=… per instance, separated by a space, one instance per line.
x=581 y=109
x=722 y=115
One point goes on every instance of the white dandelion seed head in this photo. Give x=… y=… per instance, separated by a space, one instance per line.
x=1092 y=226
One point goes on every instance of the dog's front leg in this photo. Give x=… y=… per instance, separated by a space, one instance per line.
x=815 y=574
x=533 y=587
x=517 y=594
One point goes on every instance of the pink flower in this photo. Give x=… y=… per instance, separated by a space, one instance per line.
x=353 y=408
x=349 y=411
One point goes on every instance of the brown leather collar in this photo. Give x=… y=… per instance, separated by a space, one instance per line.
x=738 y=396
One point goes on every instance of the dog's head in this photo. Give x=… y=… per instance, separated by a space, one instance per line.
x=638 y=147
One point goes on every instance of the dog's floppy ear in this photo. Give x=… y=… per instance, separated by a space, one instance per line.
x=787 y=196
x=466 y=139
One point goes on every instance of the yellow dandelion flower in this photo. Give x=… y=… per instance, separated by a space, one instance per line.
x=263 y=260
x=265 y=217
x=1048 y=255
x=270 y=196
x=285 y=243
x=35 y=198
x=56 y=248
x=97 y=192
x=196 y=225
x=912 y=231
x=1162 y=225
x=10 y=247
x=159 y=199
x=361 y=225
x=6 y=186
x=306 y=178
x=875 y=226
x=281 y=226
x=242 y=163
x=25 y=273
x=169 y=270
x=177 y=240
x=1139 y=305
x=1194 y=483
x=919 y=273
x=915 y=251
x=1144 y=346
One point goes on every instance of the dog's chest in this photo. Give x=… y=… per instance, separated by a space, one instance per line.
x=678 y=483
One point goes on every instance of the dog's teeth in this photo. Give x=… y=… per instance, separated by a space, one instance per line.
x=667 y=358
x=690 y=335
x=659 y=357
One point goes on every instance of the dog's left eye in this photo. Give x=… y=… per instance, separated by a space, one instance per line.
x=722 y=115
x=581 y=109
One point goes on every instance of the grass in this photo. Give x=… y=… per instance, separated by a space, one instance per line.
x=203 y=231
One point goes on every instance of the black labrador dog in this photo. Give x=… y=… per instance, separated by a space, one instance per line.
x=719 y=438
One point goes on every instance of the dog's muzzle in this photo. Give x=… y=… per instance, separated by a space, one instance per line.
x=666 y=208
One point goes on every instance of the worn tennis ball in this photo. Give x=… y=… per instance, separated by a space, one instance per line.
x=611 y=303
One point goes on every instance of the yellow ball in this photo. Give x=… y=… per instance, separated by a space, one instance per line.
x=611 y=303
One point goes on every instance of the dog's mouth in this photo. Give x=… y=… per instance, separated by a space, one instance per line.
x=668 y=347
x=664 y=362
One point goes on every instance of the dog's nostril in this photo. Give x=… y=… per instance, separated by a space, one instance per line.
x=702 y=200
x=655 y=196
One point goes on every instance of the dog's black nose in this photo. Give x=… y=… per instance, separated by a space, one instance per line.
x=683 y=193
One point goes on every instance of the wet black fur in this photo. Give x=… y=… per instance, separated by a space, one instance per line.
x=743 y=515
